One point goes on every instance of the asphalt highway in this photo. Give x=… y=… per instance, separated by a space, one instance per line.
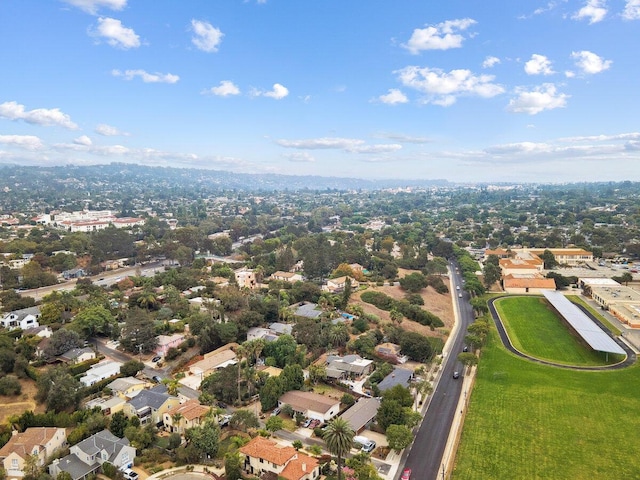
x=426 y=455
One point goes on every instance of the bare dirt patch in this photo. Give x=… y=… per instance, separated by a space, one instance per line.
x=25 y=401
x=436 y=303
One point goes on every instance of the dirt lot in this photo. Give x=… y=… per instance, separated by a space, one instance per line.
x=25 y=401
x=438 y=304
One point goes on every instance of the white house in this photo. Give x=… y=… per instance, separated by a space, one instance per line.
x=87 y=456
x=100 y=371
x=24 y=319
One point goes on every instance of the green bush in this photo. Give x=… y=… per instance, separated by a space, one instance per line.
x=10 y=386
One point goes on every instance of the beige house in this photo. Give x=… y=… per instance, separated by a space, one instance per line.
x=188 y=415
x=212 y=361
x=335 y=285
x=246 y=278
x=311 y=405
x=126 y=387
x=39 y=441
x=265 y=456
x=290 y=277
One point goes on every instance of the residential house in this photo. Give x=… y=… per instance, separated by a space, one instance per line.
x=78 y=355
x=108 y=406
x=74 y=273
x=361 y=413
x=39 y=441
x=165 y=342
x=187 y=415
x=101 y=371
x=266 y=456
x=399 y=376
x=24 y=318
x=390 y=352
x=311 y=405
x=246 y=278
x=212 y=361
x=150 y=406
x=352 y=367
x=308 y=310
x=289 y=277
x=43 y=331
x=87 y=456
x=336 y=285
x=126 y=387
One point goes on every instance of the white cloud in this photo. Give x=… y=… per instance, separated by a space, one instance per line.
x=351 y=145
x=589 y=62
x=631 y=10
x=108 y=130
x=490 y=62
x=116 y=34
x=92 y=6
x=29 y=142
x=569 y=74
x=602 y=138
x=300 y=157
x=543 y=97
x=404 y=138
x=321 y=143
x=278 y=92
x=443 y=88
x=380 y=148
x=441 y=36
x=40 y=116
x=83 y=140
x=394 y=97
x=207 y=38
x=538 y=65
x=594 y=11
x=225 y=89
x=146 y=77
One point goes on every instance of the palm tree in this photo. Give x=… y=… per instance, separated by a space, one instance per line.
x=339 y=438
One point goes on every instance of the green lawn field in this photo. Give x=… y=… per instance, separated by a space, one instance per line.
x=530 y=421
x=535 y=329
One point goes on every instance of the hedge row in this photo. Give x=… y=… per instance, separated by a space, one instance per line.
x=412 y=312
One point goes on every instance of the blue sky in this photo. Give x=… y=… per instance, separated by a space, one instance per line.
x=463 y=90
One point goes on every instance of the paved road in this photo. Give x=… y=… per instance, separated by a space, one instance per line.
x=105 y=279
x=426 y=455
x=101 y=346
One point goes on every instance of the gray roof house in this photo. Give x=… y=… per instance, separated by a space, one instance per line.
x=150 y=405
x=349 y=366
x=78 y=355
x=87 y=456
x=361 y=413
x=399 y=376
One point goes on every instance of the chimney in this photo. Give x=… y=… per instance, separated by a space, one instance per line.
x=304 y=467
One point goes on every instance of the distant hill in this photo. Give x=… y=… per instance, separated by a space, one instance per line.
x=124 y=173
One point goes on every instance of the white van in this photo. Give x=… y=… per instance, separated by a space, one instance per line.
x=367 y=445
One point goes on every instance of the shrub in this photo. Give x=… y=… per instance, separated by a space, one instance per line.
x=10 y=386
